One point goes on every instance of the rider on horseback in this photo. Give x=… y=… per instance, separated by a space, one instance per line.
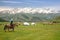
x=11 y=22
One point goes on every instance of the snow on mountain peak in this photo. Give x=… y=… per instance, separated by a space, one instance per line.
x=28 y=10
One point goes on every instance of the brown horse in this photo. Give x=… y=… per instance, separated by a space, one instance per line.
x=7 y=26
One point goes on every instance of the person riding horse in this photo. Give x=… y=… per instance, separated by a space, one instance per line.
x=11 y=22
x=10 y=26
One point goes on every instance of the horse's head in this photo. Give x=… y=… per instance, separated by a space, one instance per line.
x=15 y=25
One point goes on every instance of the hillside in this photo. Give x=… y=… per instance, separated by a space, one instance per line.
x=2 y=20
x=29 y=14
x=29 y=17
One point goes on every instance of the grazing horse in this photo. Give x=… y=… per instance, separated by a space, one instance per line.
x=7 y=26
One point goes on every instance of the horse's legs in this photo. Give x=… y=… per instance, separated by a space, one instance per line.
x=5 y=28
x=8 y=29
x=13 y=29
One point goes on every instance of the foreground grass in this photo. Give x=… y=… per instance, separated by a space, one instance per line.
x=32 y=32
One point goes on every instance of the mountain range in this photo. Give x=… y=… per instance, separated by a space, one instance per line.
x=28 y=14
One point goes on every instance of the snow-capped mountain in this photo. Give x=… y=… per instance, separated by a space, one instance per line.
x=24 y=14
x=28 y=10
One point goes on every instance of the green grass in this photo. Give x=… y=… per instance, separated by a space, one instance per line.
x=32 y=32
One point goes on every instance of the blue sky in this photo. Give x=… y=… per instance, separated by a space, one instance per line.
x=30 y=3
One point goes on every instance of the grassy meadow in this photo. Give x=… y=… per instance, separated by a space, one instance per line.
x=39 y=31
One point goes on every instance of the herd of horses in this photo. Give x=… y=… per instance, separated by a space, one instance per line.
x=8 y=26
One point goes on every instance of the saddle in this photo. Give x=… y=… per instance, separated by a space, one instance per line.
x=11 y=25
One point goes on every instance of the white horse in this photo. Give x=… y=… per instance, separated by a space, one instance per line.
x=32 y=23
x=26 y=24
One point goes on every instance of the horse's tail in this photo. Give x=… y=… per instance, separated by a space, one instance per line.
x=5 y=27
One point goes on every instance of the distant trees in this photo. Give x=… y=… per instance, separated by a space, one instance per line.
x=56 y=19
x=2 y=20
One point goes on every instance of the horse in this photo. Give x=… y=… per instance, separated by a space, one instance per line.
x=8 y=26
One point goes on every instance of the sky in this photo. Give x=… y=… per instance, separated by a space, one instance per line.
x=30 y=3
